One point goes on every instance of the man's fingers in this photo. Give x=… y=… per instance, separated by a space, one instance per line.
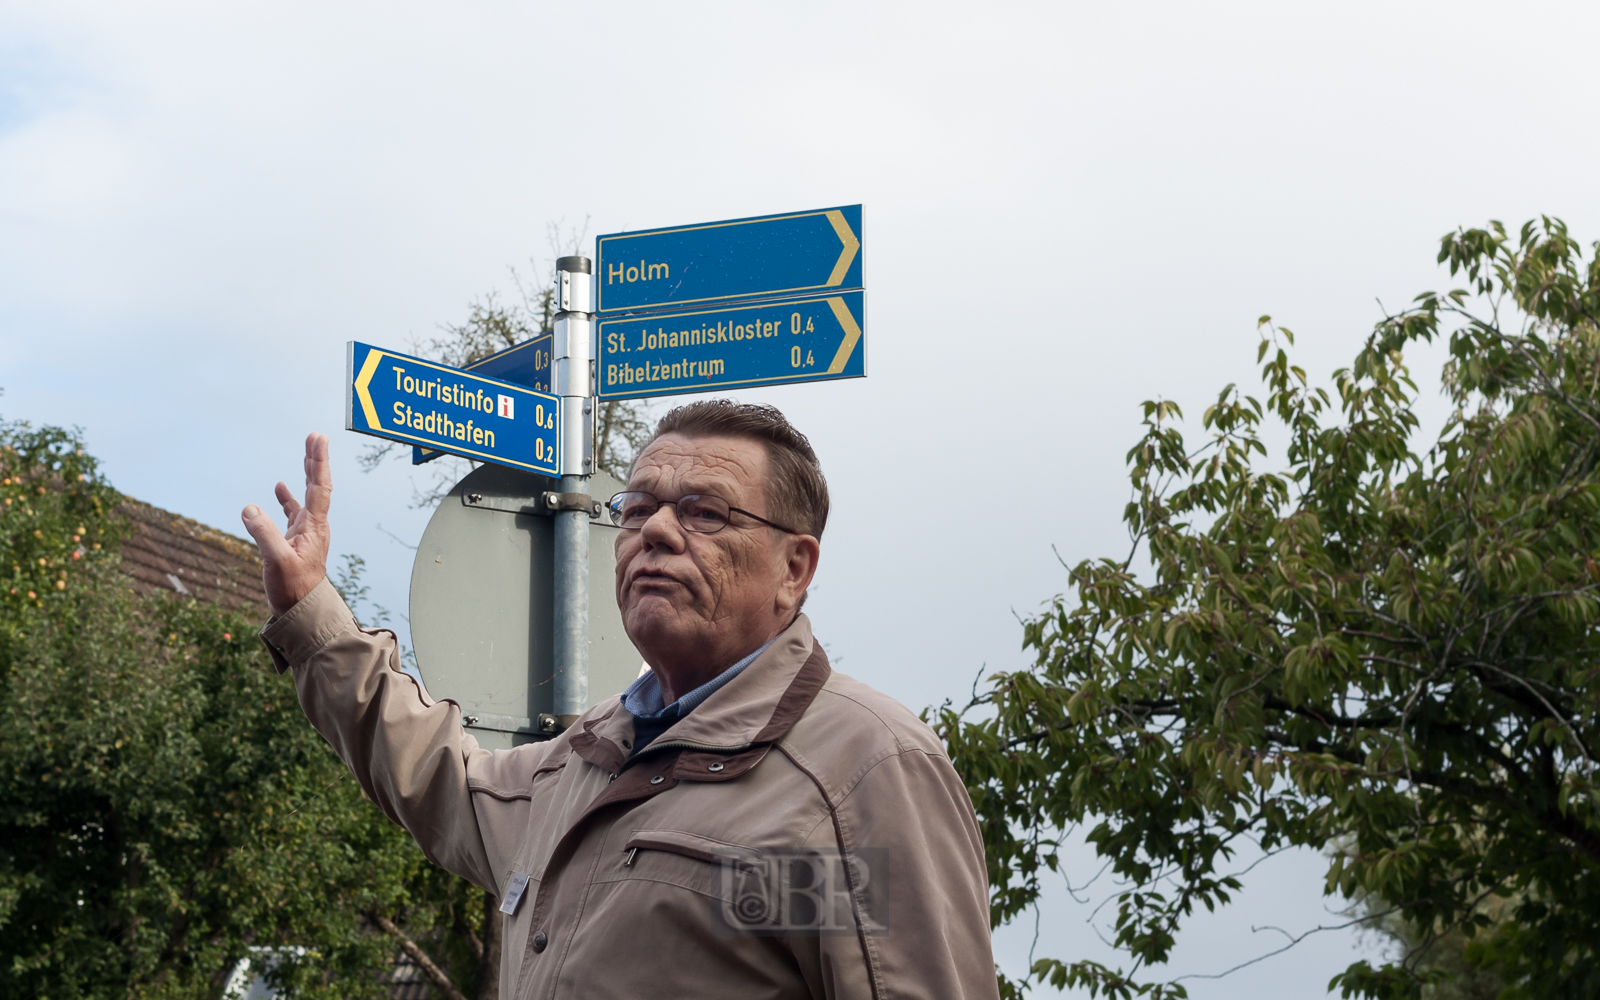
x=292 y=564
x=269 y=539
x=319 y=475
x=291 y=506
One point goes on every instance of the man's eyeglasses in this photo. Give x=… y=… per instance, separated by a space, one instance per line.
x=700 y=512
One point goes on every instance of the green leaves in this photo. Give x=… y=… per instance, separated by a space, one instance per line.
x=164 y=805
x=1384 y=655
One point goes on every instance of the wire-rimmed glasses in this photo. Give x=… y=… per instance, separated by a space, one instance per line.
x=700 y=512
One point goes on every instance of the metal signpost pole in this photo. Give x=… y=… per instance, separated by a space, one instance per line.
x=572 y=349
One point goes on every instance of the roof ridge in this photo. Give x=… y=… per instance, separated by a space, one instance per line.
x=196 y=528
x=170 y=553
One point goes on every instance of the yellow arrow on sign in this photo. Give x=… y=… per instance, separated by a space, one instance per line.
x=851 y=247
x=852 y=333
x=363 y=380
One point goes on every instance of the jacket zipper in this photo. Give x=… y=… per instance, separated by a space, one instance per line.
x=632 y=852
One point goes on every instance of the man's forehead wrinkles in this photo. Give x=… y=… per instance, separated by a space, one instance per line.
x=688 y=479
x=734 y=463
x=703 y=464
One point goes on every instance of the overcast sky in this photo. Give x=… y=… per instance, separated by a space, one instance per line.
x=1068 y=208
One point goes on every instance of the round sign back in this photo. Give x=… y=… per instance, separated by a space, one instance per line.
x=482 y=605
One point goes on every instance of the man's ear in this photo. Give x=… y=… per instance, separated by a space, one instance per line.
x=801 y=554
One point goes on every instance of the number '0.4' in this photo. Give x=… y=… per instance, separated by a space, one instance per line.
x=796 y=328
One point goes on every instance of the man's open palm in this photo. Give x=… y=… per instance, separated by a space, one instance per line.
x=293 y=563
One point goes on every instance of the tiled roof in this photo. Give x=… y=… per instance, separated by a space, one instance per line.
x=174 y=554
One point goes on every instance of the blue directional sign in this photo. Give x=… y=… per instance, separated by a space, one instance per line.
x=740 y=258
x=768 y=343
x=528 y=363
x=420 y=402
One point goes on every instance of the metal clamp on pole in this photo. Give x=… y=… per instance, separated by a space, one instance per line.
x=572 y=354
x=572 y=501
x=541 y=504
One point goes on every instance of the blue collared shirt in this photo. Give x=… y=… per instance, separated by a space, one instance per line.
x=651 y=718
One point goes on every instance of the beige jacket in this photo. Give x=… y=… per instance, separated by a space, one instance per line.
x=797 y=835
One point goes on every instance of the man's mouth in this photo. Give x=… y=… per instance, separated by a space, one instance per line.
x=649 y=576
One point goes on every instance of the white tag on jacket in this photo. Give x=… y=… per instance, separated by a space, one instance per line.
x=514 y=892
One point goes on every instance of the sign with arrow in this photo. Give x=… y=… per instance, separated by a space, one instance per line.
x=767 y=256
x=768 y=343
x=527 y=363
x=418 y=402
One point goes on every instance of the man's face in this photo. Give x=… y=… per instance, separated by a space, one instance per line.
x=687 y=596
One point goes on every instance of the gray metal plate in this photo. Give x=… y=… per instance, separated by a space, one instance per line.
x=481 y=604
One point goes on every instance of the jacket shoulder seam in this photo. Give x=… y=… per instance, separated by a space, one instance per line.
x=848 y=786
x=848 y=789
x=900 y=744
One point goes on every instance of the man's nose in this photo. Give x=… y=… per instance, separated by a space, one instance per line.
x=662 y=528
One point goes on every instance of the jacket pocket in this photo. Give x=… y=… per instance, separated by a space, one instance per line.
x=688 y=845
x=702 y=865
x=756 y=892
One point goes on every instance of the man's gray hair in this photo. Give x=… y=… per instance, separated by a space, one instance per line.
x=796 y=488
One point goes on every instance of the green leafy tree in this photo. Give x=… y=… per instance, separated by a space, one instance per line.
x=1440 y=959
x=164 y=808
x=1386 y=655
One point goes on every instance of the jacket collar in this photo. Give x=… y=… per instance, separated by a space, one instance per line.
x=757 y=707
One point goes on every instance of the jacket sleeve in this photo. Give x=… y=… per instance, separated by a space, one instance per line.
x=409 y=753
x=920 y=884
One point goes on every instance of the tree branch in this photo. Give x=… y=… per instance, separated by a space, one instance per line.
x=414 y=951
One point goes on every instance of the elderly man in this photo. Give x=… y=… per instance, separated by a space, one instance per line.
x=742 y=822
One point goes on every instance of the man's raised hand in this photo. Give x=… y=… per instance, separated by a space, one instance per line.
x=294 y=562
